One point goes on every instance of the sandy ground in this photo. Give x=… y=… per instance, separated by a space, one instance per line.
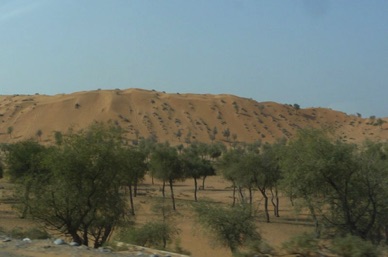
x=192 y=237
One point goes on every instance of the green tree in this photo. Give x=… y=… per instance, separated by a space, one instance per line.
x=229 y=166
x=249 y=168
x=269 y=175
x=58 y=137
x=196 y=164
x=343 y=187
x=24 y=166
x=166 y=165
x=214 y=152
x=9 y=131
x=230 y=227
x=39 y=134
x=81 y=195
x=133 y=165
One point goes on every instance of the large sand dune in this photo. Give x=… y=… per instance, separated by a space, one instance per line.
x=143 y=113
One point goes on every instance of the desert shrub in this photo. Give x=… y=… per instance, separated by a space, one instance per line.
x=257 y=249
x=155 y=234
x=353 y=246
x=32 y=233
x=230 y=227
x=304 y=245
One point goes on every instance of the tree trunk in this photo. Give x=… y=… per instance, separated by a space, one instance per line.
x=135 y=187
x=172 y=194
x=100 y=242
x=163 y=189
x=241 y=195
x=85 y=236
x=234 y=195
x=76 y=238
x=316 y=222
x=250 y=196
x=195 y=189
x=262 y=190
x=203 y=182
x=26 y=200
x=275 y=201
x=131 y=200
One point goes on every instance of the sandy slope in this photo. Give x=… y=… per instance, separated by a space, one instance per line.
x=143 y=113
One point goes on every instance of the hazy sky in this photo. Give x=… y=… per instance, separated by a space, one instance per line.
x=317 y=53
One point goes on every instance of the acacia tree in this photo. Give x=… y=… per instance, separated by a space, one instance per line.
x=229 y=166
x=166 y=165
x=248 y=168
x=342 y=186
x=270 y=174
x=196 y=164
x=214 y=152
x=303 y=162
x=147 y=146
x=134 y=167
x=80 y=195
x=24 y=166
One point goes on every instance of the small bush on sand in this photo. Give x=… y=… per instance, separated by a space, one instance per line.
x=352 y=246
x=32 y=233
x=154 y=234
x=304 y=245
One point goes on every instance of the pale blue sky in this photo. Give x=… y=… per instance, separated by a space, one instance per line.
x=317 y=53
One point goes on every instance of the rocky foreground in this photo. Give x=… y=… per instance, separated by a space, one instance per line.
x=50 y=248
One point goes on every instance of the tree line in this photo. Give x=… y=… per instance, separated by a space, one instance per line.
x=75 y=186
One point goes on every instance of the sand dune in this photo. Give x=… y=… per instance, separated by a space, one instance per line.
x=192 y=116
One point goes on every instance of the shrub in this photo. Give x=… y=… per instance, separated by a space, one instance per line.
x=296 y=106
x=353 y=246
x=304 y=244
x=32 y=233
x=154 y=234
